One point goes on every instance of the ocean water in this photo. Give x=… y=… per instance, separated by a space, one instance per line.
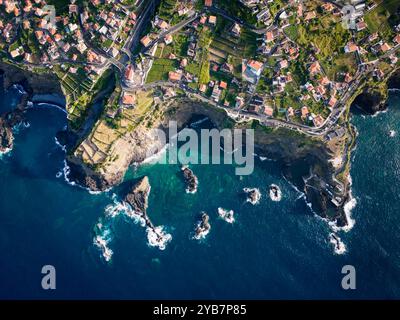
x=273 y=250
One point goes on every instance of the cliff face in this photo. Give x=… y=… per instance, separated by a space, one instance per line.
x=6 y=136
x=34 y=83
x=370 y=101
x=301 y=157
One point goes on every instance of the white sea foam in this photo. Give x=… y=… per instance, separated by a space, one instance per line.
x=6 y=151
x=201 y=235
x=67 y=170
x=226 y=215
x=257 y=197
x=51 y=105
x=63 y=148
x=158 y=237
x=102 y=239
x=392 y=133
x=338 y=245
x=19 y=88
x=197 y=123
x=278 y=196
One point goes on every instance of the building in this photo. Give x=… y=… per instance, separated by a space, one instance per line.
x=145 y=41
x=252 y=71
x=168 y=39
x=350 y=47
x=212 y=20
x=128 y=99
x=236 y=30
x=129 y=73
x=174 y=76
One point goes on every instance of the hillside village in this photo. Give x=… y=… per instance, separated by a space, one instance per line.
x=289 y=60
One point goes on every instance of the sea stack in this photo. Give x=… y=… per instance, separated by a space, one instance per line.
x=275 y=193
x=6 y=136
x=253 y=195
x=138 y=198
x=191 y=180
x=203 y=227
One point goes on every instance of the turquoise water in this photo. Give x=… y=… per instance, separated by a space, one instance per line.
x=273 y=250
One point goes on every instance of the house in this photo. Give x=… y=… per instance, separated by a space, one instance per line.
x=236 y=29
x=304 y=112
x=212 y=20
x=145 y=41
x=269 y=37
x=252 y=71
x=328 y=7
x=268 y=111
x=73 y=9
x=184 y=62
x=128 y=99
x=283 y=64
x=129 y=73
x=208 y=3
x=332 y=102
x=397 y=39
x=216 y=93
x=310 y=15
x=239 y=102
x=350 y=47
x=385 y=47
x=174 y=76
x=163 y=25
x=168 y=39
x=255 y=67
x=226 y=67
x=315 y=68
x=361 y=26
x=223 y=85
x=318 y=121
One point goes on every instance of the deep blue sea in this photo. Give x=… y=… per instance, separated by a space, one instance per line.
x=273 y=250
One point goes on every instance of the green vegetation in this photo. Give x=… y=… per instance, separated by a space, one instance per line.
x=160 y=69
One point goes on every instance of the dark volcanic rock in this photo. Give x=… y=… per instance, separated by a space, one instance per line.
x=370 y=102
x=191 y=180
x=138 y=196
x=203 y=227
x=394 y=80
x=6 y=136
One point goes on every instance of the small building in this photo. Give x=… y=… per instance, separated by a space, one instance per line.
x=212 y=20
x=174 y=76
x=128 y=99
x=168 y=39
x=236 y=30
x=145 y=41
x=268 y=111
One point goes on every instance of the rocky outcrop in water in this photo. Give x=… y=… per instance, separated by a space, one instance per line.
x=139 y=195
x=253 y=195
x=203 y=228
x=6 y=136
x=191 y=180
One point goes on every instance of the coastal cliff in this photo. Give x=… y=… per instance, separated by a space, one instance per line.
x=373 y=98
x=100 y=166
x=33 y=82
x=302 y=157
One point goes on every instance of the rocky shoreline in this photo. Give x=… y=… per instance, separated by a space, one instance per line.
x=32 y=84
x=373 y=100
x=293 y=150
